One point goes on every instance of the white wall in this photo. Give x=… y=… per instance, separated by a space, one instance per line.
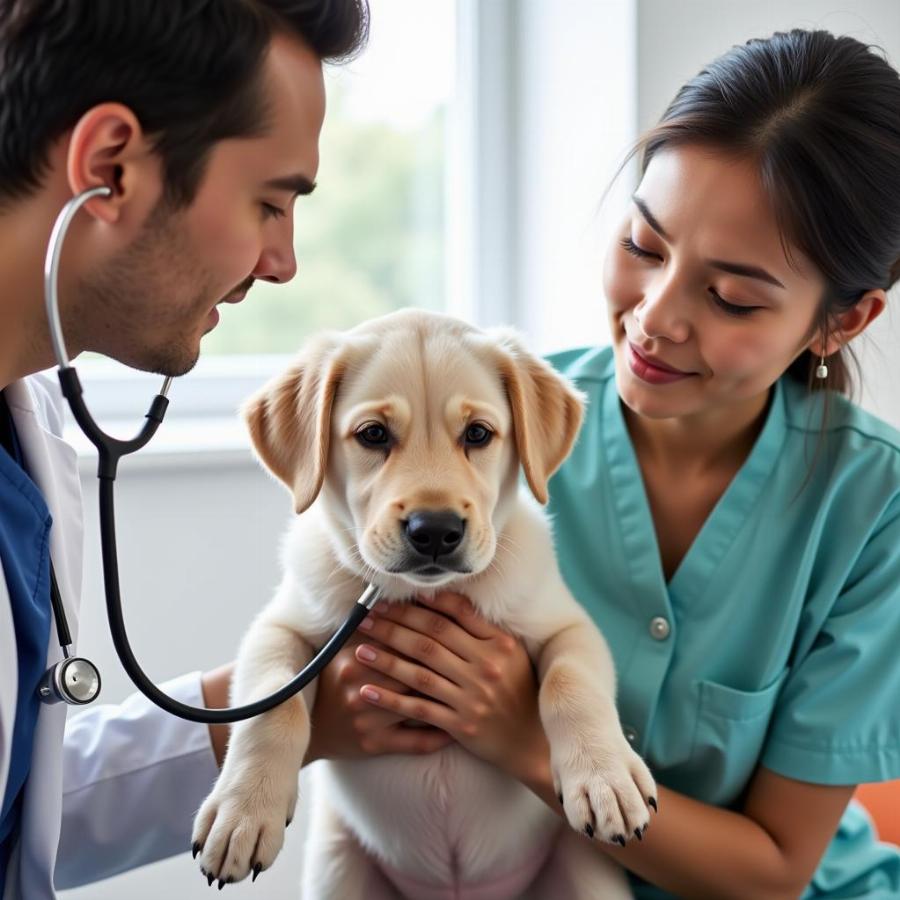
x=576 y=119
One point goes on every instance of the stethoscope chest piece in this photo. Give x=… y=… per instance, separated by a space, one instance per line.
x=74 y=680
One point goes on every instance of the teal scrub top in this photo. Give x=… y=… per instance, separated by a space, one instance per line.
x=777 y=640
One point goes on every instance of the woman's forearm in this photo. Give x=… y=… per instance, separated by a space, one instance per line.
x=215 y=685
x=692 y=849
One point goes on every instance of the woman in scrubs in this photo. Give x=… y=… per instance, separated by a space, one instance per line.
x=728 y=517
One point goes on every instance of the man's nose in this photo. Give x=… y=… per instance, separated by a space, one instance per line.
x=277 y=262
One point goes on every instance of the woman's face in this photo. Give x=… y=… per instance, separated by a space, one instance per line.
x=706 y=311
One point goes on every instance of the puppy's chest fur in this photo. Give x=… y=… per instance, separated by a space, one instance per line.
x=446 y=816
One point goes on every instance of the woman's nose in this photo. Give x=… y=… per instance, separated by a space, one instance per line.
x=661 y=313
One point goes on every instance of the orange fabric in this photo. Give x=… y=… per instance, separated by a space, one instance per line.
x=883 y=803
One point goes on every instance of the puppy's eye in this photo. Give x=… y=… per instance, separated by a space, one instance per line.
x=373 y=435
x=478 y=436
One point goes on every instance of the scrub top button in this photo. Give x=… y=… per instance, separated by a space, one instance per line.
x=659 y=628
x=630 y=734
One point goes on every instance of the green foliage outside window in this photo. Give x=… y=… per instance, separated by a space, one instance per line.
x=369 y=240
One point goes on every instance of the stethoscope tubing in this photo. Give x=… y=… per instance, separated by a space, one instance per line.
x=110 y=450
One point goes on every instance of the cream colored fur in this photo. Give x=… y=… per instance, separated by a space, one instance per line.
x=446 y=814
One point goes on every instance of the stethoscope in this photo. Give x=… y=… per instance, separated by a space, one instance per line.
x=75 y=679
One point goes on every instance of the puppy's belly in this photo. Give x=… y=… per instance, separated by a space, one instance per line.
x=445 y=817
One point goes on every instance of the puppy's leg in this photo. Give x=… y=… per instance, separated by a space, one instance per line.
x=335 y=865
x=605 y=785
x=579 y=870
x=240 y=825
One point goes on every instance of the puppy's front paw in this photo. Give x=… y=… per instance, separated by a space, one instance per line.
x=240 y=826
x=605 y=787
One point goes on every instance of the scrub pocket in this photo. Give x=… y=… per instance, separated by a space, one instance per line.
x=729 y=736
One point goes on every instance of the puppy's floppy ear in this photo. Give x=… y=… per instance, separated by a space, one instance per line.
x=290 y=418
x=547 y=410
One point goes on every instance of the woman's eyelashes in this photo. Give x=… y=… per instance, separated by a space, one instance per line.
x=631 y=247
x=731 y=309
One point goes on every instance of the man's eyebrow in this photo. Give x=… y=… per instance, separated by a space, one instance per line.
x=732 y=267
x=297 y=184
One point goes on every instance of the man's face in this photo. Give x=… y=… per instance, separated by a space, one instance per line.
x=150 y=304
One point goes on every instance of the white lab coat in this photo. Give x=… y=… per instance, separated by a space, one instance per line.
x=118 y=786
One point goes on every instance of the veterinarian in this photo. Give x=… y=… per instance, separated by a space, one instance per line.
x=203 y=120
x=729 y=518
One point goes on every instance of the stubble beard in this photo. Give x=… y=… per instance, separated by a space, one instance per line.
x=127 y=310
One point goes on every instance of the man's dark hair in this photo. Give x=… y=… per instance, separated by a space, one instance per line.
x=190 y=70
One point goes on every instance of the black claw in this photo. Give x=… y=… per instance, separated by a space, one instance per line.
x=210 y=878
x=652 y=802
x=256 y=870
x=639 y=834
x=222 y=884
x=288 y=823
x=589 y=830
x=620 y=839
x=195 y=849
x=559 y=795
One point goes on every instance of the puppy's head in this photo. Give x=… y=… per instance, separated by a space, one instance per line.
x=413 y=427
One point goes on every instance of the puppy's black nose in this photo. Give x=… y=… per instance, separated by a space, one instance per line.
x=435 y=534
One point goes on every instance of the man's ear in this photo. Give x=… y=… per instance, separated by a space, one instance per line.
x=108 y=147
x=546 y=409
x=848 y=325
x=290 y=418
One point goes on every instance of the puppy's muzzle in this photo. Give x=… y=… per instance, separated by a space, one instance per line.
x=432 y=539
x=434 y=534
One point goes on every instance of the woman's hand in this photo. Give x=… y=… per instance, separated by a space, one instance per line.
x=345 y=726
x=470 y=678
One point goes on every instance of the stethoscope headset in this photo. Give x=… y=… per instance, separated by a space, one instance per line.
x=76 y=680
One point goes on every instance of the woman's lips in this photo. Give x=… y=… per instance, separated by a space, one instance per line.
x=653 y=372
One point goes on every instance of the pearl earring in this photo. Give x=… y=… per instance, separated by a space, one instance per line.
x=822 y=370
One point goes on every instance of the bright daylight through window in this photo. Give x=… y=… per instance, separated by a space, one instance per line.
x=371 y=238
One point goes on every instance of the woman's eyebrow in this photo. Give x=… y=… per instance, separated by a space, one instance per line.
x=650 y=218
x=747 y=271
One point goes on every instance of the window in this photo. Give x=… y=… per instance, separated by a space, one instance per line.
x=373 y=237
x=464 y=156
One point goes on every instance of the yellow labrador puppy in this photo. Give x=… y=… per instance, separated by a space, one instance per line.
x=401 y=442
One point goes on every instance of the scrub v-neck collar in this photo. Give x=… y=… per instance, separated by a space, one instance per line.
x=721 y=526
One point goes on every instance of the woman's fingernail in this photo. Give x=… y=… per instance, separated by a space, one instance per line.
x=370 y=693
x=365 y=652
x=366 y=624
